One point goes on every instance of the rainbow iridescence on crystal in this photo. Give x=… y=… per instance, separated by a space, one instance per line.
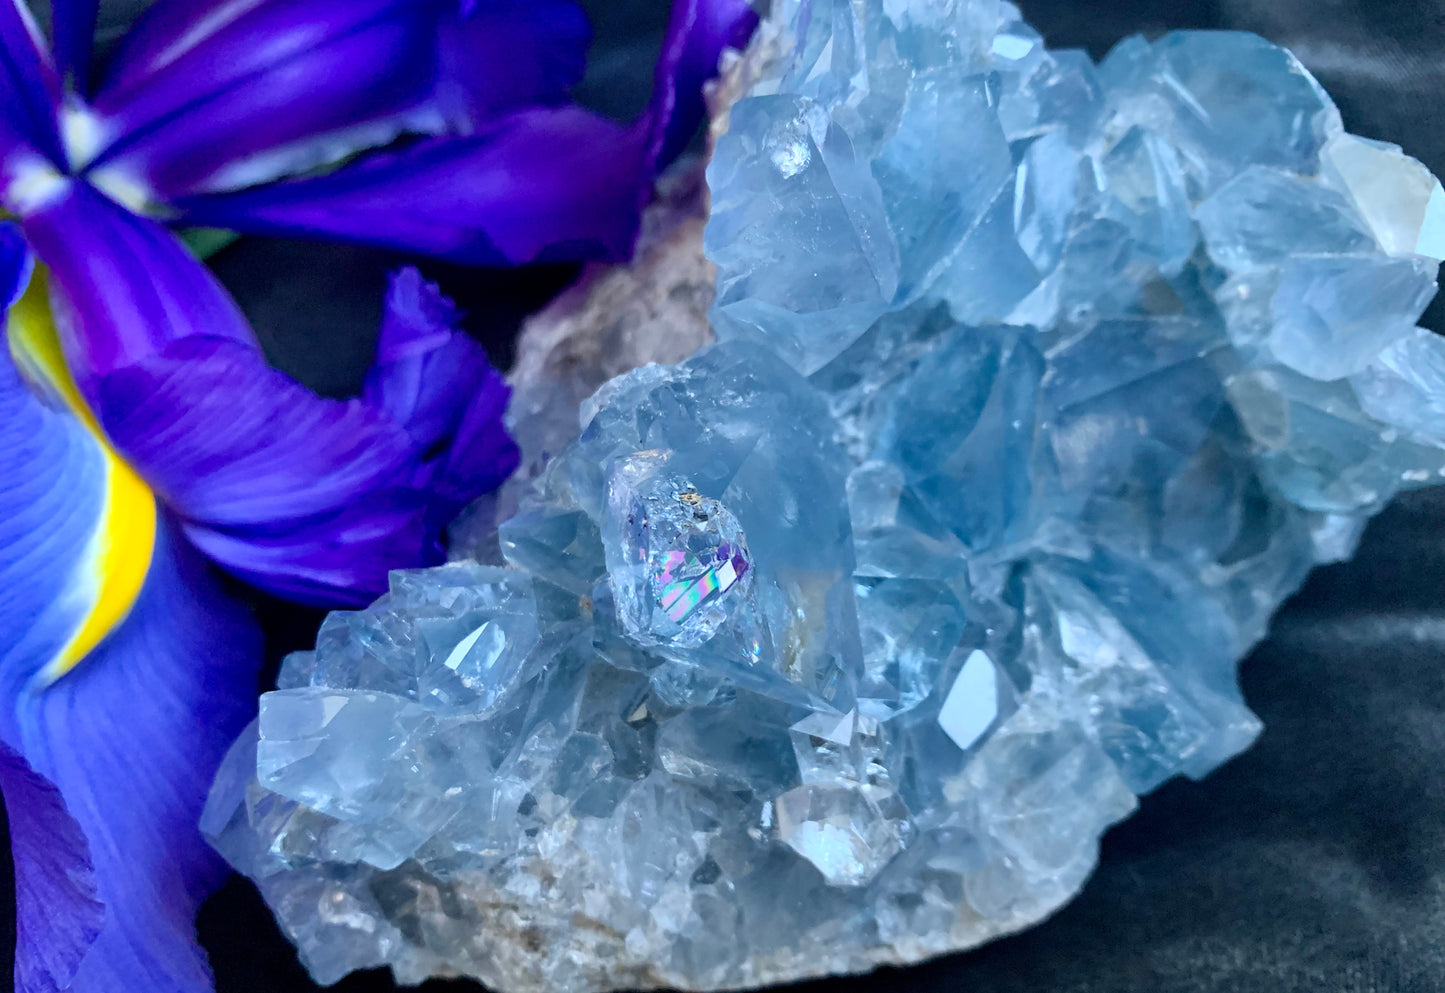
x=682 y=557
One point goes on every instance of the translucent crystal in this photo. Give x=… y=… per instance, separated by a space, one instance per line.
x=1396 y=196
x=1040 y=386
x=1405 y=385
x=676 y=560
x=1263 y=216
x=1333 y=315
x=1226 y=100
x=846 y=838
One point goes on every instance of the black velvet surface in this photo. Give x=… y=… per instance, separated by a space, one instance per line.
x=1315 y=862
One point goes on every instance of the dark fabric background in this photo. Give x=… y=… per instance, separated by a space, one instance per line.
x=1314 y=863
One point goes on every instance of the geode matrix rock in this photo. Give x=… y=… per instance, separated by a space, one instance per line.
x=1040 y=384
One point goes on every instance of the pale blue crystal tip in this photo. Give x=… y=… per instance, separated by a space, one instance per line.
x=1041 y=385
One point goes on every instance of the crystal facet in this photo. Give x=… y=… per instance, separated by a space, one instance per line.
x=1040 y=385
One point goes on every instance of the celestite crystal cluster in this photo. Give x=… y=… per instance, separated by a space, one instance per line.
x=1040 y=385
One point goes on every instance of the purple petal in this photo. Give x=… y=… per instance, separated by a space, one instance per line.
x=436 y=382
x=697 y=34
x=263 y=79
x=481 y=453
x=57 y=915
x=215 y=100
x=15 y=265
x=502 y=56
x=556 y=184
x=165 y=30
x=29 y=88
x=543 y=185
x=132 y=739
x=125 y=286
x=424 y=367
x=52 y=495
x=72 y=25
x=309 y=498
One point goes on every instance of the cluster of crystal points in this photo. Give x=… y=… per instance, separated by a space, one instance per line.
x=1041 y=384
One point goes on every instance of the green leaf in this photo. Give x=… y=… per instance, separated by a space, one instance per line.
x=205 y=242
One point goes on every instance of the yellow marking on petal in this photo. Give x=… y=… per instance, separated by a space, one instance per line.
x=119 y=554
x=35 y=345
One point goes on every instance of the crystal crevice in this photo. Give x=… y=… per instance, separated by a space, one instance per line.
x=1040 y=385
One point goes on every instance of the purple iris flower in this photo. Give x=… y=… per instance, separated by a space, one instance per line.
x=125 y=665
x=144 y=438
x=206 y=105
x=209 y=105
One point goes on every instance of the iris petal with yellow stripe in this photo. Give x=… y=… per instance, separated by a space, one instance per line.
x=111 y=569
x=159 y=667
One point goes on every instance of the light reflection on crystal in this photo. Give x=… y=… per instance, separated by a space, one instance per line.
x=972 y=702
x=847 y=839
x=835 y=728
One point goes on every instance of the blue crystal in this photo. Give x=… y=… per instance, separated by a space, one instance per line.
x=910 y=628
x=1405 y=386
x=799 y=179
x=1226 y=100
x=947 y=161
x=1263 y=216
x=960 y=427
x=1333 y=315
x=1143 y=188
x=1046 y=190
x=1040 y=386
